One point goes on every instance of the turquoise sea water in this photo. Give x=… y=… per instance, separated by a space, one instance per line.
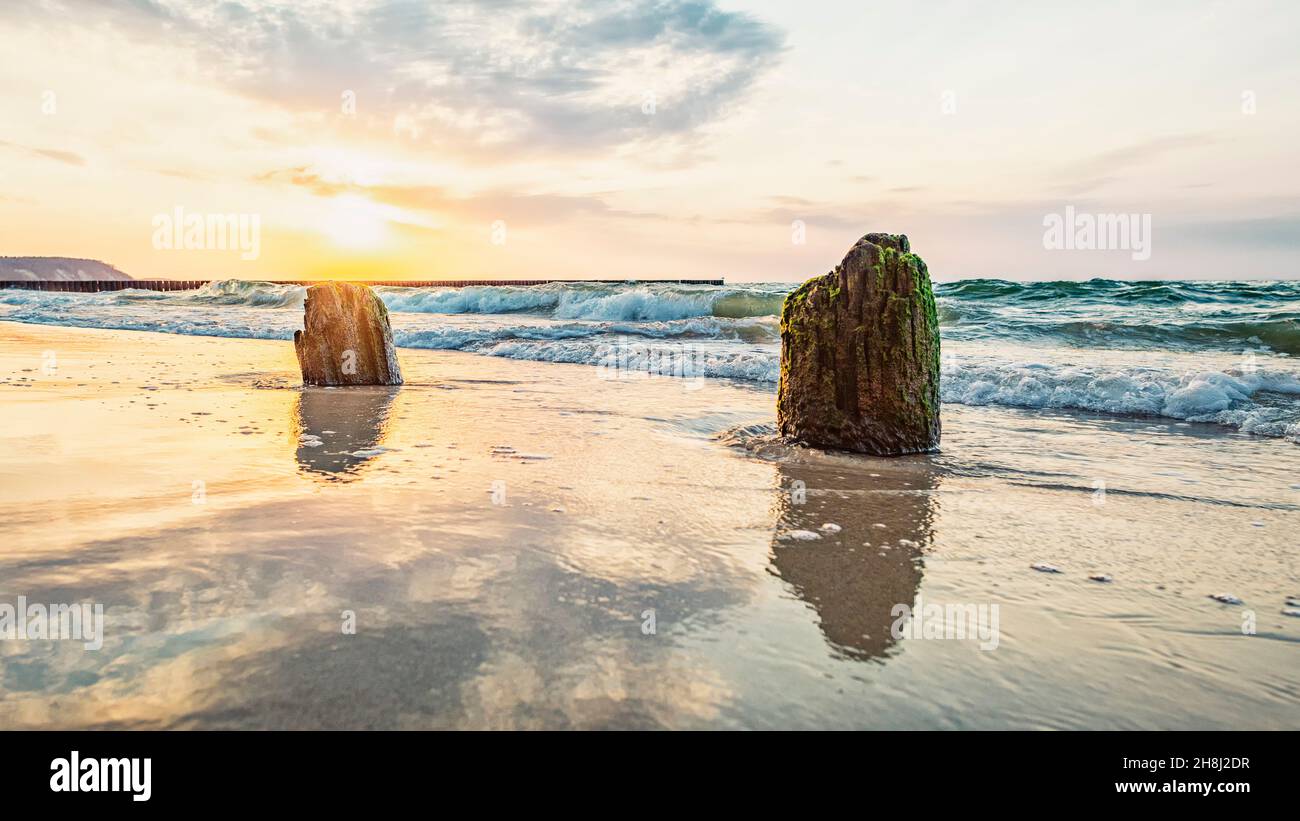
x=1216 y=352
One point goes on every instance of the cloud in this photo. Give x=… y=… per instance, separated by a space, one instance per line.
x=1144 y=152
x=1259 y=232
x=518 y=209
x=1100 y=169
x=67 y=157
x=823 y=215
x=496 y=74
x=486 y=206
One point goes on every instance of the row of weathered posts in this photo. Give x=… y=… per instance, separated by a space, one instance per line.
x=96 y=285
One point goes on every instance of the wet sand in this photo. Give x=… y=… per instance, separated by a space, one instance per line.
x=530 y=545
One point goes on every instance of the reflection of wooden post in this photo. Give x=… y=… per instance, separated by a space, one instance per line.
x=346 y=338
x=338 y=432
x=853 y=586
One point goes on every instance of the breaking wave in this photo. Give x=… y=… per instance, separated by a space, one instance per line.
x=653 y=302
x=731 y=332
x=1263 y=402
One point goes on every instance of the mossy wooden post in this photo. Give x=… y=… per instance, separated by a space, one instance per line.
x=860 y=354
x=346 y=338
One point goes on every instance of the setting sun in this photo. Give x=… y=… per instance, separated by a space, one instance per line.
x=356 y=223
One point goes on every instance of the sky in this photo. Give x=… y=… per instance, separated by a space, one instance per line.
x=756 y=141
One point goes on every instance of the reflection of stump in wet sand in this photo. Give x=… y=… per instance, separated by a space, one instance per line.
x=338 y=430
x=850 y=585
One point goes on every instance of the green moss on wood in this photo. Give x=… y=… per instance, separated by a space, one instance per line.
x=863 y=374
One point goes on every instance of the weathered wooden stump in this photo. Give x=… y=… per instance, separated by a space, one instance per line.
x=860 y=354
x=346 y=338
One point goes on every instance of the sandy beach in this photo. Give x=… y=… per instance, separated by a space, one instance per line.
x=534 y=545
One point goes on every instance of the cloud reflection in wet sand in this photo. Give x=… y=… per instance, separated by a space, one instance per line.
x=241 y=630
x=470 y=615
x=528 y=613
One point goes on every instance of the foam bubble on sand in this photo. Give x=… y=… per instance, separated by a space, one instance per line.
x=801 y=535
x=507 y=452
x=1225 y=598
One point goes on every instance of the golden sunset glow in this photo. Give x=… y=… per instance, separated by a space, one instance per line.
x=681 y=148
x=357 y=223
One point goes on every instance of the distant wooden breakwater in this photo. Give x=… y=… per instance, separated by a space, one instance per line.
x=95 y=285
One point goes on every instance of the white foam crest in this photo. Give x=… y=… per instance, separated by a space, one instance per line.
x=1227 y=397
x=457 y=337
x=645 y=302
x=618 y=357
x=408 y=333
x=469 y=300
x=639 y=303
x=241 y=292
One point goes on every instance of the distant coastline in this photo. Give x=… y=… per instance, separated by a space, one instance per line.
x=57 y=269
